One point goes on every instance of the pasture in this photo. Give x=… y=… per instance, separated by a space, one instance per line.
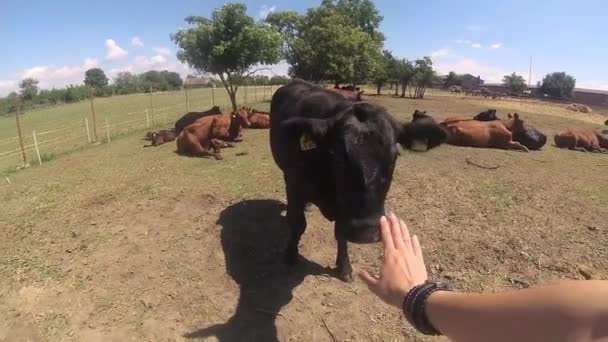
x=61 y=129
x=117 y=242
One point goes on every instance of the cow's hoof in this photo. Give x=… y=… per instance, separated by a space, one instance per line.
x=308 y=207
x=218 y=157
x=346 y=277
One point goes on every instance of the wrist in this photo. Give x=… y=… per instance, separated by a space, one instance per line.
x=415 y=305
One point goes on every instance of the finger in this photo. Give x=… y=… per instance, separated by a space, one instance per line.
x=396 y=231
x=368 y=279
x=387 y=238
x=407 y=240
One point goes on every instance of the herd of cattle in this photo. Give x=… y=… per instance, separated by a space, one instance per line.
x=339 y=152
x=203 y=134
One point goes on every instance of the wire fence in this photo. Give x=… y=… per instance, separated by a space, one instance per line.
x=48 y=132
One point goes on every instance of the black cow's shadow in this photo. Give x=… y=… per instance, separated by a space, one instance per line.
x=254 y=236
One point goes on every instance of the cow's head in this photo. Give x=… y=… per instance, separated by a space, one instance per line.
x=488 y=115
x=606 y=123
x=603 y=139
x=359 y=145
x=525 y=134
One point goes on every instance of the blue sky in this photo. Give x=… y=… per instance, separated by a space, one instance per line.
x=56 y=41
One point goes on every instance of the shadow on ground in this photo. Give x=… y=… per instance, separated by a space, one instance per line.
x=254 y=235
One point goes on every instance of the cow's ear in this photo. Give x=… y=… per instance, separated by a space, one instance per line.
x=317 y=128
x=421 y=135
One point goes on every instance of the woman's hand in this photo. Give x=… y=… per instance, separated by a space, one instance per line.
x=403 y=266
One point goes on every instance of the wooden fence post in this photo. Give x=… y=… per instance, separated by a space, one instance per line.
x=151 y=106
x=108 y=130
x=36 y=146
x=17 y=113
x=212 y=96
x=86 y=123
x=93 y=112
x=147 y=119
x=187 y=100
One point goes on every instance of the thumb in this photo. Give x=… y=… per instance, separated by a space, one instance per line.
x=371 y=281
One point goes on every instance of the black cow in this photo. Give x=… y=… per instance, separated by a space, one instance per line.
x=340 y=156
x=488 y=115
x=190 y=117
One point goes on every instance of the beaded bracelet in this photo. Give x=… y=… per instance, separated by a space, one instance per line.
x=414 y=306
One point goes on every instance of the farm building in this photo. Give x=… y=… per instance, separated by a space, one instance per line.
x=590 y=96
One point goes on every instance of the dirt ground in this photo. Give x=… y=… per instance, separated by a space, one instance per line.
x=120 y=243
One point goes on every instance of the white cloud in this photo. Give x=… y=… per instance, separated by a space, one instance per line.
x=113 y=51
x=496 y=45
x=7 y=86
x=440 y=53
x=52 y=76
x=463 y=41
x=90 y=63
x=136 y=42
x=474 y=27
x=476 y=45
x=162 y=51
x=265 y=10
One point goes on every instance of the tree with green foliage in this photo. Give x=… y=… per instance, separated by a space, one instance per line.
x=515 y=83
x=126 y=83
x=337 y=41
x=173 y=79
x=469 y=81
x=228 y=45
x=95 y=78
x=452 y=80
x=405 y=74
x=424 y=76
x=558 y=84
x=29 y=89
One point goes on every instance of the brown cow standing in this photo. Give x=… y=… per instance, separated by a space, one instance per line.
x=582 y=139
x=211 y=132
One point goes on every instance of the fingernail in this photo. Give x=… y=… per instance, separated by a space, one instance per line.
x=383 y=219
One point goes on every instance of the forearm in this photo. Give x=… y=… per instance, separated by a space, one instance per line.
x=571 y=310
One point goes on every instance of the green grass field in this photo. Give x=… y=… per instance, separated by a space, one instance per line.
x=115 y=242
x=61 y=129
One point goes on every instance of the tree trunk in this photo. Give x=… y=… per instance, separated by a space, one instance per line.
x=233 y=100
x=230 y=88
x=403 y=89
x=396 y=89
x=336 y=84
x=379 y=89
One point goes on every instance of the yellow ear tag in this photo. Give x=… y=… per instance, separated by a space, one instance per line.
x=307 y=143
x=420 y=145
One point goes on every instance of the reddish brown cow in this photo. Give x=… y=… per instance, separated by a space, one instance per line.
x=160 y=137
x=582 y=139
x=473 y=133
x=211 y=132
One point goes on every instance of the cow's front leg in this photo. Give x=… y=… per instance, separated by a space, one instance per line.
x=343 y=267
x=297 y=225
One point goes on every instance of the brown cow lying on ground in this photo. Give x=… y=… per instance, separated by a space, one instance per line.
x=190 y=117
x=526 y=135
x=257 y=118
x=211 y=132
x=484 y=134
x=160 y=137
x=582 y=139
